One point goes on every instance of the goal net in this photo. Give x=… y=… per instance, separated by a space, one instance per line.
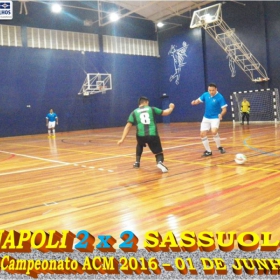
x=264 y=105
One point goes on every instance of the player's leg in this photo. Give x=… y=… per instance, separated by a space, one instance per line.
x=154 y=144
x=53 y=130
x=204 y=128
x=215 y=123
x=139 y=150
x=243 y=118
x=49 y=129
x=247 y=117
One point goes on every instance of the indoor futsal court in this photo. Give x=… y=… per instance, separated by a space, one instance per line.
x=84 y=180
x=92 y=71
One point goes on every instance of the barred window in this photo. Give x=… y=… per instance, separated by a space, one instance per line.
x=62 y=40
x=121 y=45
x=10 y=36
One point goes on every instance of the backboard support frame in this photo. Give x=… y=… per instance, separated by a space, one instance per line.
x=210 y=19
x=96 y=83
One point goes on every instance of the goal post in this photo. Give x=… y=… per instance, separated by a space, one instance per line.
x=265 y=105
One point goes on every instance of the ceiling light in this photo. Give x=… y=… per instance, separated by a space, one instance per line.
x=56 y=8
x=114 y=17
x=160 y=24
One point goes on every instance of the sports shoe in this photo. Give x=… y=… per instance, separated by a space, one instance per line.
x=53 y=136
x=162 y=167
x=207 y=154
x=222 y=150
x=136 y=165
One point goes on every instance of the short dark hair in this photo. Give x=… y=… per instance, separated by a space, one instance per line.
x=142 y=99
x=212 y=85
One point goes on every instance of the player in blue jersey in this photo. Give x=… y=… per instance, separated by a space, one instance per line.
x=51 y=121
x=215 y=109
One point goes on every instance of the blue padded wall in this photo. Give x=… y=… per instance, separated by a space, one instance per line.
x=52 y=79
x=191 y=83
x=272 y=20
x=257 y=26
x=248 y=22
x=47 y=79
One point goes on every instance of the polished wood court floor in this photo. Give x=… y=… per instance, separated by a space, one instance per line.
x=84 y=180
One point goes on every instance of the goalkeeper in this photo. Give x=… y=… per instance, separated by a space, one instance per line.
x=245 y=110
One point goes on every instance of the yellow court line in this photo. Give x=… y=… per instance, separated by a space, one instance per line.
x=206 y=164
x=250 y=168
x=133 y=154
x=222 y=165
x=84 y=152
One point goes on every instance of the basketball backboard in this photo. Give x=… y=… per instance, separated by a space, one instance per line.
x=96 y=83
x=205 y=16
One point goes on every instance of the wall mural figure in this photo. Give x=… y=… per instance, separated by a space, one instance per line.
x=231 y=65
x=179 y=56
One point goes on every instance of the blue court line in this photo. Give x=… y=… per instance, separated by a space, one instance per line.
x=257 y=149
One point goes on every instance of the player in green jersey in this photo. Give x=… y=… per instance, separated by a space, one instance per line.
x=146 y=130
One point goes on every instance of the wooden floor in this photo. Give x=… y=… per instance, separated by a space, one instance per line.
x=83 y=180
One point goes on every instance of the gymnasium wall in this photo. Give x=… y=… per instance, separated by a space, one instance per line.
x=272 y=21
x=192 y=79
x=47 y=79
x=35 y=80
x=249 y=25
x=256 y=24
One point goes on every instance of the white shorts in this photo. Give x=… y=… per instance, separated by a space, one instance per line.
x=51 y=125
x=208 y=124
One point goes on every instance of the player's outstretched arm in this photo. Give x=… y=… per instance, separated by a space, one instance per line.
x=125 y=132
x=168 y=111
x=195 y=102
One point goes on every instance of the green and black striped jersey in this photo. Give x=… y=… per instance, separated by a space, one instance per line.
x=144 y=119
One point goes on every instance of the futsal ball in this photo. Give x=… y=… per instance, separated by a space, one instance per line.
x=240 y=158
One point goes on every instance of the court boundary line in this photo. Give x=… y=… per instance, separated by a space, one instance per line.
x=33 y=157
x=192 y=202
x=145 y=152
x=115 y=156
x=29 y=170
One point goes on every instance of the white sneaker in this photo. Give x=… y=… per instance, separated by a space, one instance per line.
x=162 y=167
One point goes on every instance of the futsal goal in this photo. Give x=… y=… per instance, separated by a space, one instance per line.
x=265 y=105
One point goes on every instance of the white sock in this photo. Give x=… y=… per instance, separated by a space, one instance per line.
x=53 y=131
x=205 y=143
x=217 y=140
x=49 y=132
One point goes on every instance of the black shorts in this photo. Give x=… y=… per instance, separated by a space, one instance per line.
x=153 y=142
